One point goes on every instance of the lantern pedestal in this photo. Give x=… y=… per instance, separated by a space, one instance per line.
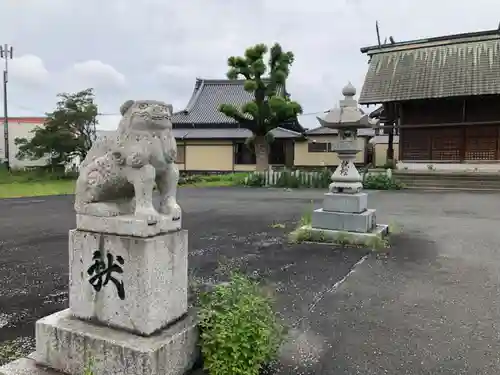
x=345 y=209
x=347 y=214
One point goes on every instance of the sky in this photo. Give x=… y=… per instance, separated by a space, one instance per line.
x=155 y=49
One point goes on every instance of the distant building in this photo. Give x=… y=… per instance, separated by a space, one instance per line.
x=208 y=140
x=317 y=150
x=443 y=94
x=20 y=127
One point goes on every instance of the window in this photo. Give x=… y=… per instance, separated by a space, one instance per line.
x=181 y=154
x=243 y=154
x=318 y=147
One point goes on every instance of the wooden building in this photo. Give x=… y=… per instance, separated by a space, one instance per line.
x=442 y=94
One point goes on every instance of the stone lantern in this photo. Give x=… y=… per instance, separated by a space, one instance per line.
x=345 y=207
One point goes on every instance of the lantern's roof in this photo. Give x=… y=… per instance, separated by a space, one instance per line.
x=348 y=115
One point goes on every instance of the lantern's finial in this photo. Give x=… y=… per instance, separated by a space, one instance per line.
x=349 y=90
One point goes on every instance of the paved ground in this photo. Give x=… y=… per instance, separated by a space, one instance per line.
x=431 y=306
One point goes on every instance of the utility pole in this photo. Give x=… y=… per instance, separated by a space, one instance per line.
x=6 y=53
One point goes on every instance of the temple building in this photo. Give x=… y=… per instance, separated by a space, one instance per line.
x=208 y=140
x=442 y=94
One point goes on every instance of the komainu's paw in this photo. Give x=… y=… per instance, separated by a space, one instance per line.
x=149 y=214
x=171 y=208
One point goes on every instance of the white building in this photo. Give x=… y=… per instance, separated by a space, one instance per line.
x=19 y=127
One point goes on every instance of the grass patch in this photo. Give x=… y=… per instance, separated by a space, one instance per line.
x=304 y=233
x=89 y=367
x=36 y=189
x=395 y=228
x=39 y=182
x=344 y=239
x=35 y=182
x=381 y=182
x=278 y=226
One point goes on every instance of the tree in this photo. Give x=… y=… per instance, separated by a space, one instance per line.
x=271 y=105
x=68 y=131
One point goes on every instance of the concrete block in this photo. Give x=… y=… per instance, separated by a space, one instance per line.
x=147 y=288
x=352 y=203
x=67 y=344
x=343 y=221
x=381 y=231
x=127 y=225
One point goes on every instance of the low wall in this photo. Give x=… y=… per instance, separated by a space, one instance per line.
x=450 y=167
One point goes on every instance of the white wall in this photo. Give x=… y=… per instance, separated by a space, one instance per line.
x=19 y=128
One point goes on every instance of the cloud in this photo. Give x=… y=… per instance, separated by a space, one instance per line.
x=96 y=74
x=28 y=70
x=177 y=83
x=168 y=72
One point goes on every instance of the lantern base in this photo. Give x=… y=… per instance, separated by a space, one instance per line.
x=354 y=238
x=363 y=222
x=345 y=187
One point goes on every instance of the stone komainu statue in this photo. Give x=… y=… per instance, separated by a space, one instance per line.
x=119 y=173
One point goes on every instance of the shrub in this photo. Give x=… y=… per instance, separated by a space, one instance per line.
x=189 y=179
x=239 y=331
x=294 y=179
x=306 y=218
x=220 y=179
x=288 y=179
x=323 y=180
x=381 y=182
x=255 y=180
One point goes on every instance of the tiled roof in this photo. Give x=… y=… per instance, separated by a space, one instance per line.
x=236 y=133
x=321 y=130
x=457 y=65
x=208 y=95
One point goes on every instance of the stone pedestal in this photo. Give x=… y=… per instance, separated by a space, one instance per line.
x=353 y=203
x=344 y=221
x=128 y=309
x=127 y=225
x=346 y=213
x=68 y=344
x=154 y=277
